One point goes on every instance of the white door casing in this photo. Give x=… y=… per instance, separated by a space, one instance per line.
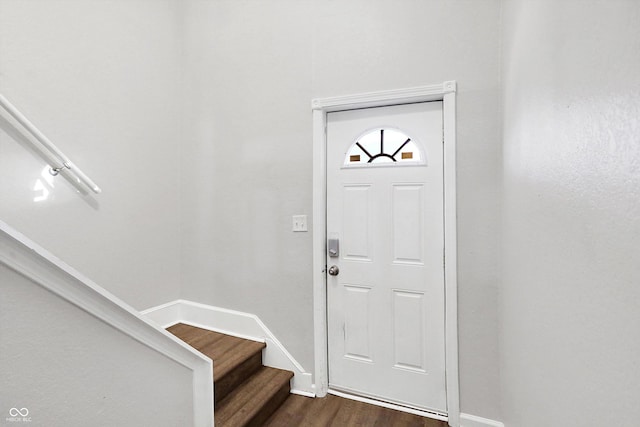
x=445 y=92
x=386 y=305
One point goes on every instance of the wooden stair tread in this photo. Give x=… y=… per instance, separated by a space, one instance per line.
x=194 y=336
x=234 y=372
x=256 y=399
x=235 y=356
x=214 y=344
x=226 y=351
x=246 y=393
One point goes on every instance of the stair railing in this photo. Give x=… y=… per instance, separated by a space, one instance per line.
x=57 y=160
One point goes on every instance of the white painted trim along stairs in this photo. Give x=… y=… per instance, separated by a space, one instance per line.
x=30 y=260
x=467 y=420
x=235 y=323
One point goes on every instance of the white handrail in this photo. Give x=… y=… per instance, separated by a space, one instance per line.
x=58 y=161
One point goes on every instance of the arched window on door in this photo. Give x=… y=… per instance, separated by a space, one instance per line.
x=384 y=146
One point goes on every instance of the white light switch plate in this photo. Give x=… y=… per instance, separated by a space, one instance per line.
x=299 y=223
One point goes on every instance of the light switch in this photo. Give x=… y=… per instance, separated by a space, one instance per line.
x=299 y=223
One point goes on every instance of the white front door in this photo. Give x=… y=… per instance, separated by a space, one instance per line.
x=386 y=307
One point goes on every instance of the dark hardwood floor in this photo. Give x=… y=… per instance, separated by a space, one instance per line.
x=248 y=394
x=337 y=411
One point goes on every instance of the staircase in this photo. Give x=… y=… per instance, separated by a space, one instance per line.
x=246 y=393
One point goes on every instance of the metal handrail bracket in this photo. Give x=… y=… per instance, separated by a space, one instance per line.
x=57 y=160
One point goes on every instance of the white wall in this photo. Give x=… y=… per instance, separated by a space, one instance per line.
x=111 y=81
x=101 y=80
x=251 y=70
x=247 y=163
x=129 y=87
x=69 y=368
x=570 y=298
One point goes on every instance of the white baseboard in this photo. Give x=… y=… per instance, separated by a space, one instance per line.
x=163 y=315
x=467 y=420
x=239 y=324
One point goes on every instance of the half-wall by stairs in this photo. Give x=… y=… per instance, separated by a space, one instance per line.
x=246 y=393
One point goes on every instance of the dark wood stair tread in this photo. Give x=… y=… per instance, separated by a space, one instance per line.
x=234 y=359
x=246 y=393
x=226 y=351
x=253 y=402
x=236 y=355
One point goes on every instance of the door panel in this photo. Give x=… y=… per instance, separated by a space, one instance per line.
x=409 y=339
x=408 y=212
x=356 y=217
x=386 y=305
x=357 y=311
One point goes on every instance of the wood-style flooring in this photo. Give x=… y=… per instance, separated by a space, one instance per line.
x=337 y=411
x=248 y=394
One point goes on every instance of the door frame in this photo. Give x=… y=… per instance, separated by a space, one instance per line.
x=445 y=92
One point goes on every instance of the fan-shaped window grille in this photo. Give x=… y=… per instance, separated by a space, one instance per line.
x=386 y=146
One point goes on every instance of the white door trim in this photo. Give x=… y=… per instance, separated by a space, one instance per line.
x=445 y=92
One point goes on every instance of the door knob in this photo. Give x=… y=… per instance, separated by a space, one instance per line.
x=334 y=270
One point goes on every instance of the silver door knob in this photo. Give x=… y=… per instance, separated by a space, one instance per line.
x=334 y=270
